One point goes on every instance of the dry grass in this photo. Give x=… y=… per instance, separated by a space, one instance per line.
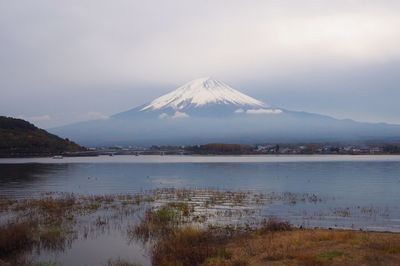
x=16 y=238
x=315 y=247
x=161 y=222
x=5 y=203
x=19 y=238
x=55 y=238
x=274 y=243
x=120 y=262
x=51 y=205
x=47 y=222
x=274 y=225
x=190 y=246
x=180 y=244
x=175 y=241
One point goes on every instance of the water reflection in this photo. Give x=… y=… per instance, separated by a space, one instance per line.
x=356 y=182
x=27 y=179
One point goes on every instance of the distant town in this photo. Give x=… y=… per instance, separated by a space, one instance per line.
x=19 y=138
x=239 y=149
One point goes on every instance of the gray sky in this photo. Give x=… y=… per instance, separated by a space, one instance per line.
x=68 y=61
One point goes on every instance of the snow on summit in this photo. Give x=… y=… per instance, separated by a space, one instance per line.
x=203 y=91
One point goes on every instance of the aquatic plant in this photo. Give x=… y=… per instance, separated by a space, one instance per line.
x=189 y=246
x=16 y=238
x=274 y=225
x=161 y=221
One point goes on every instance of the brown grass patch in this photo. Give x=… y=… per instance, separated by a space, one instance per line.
x=190 y=246
x=161 y=222
x=16 y=238
x=120 y=262
x=275 y=225
x=316 y=247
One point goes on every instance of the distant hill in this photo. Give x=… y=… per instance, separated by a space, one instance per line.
x=19 y=138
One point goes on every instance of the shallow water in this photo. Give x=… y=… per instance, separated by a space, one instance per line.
x=359 y=192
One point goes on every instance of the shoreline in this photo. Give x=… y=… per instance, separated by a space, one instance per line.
x=203 y=159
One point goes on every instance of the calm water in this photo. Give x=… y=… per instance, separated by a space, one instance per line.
x=343 y=181
x=349 y=179
x=356 y=191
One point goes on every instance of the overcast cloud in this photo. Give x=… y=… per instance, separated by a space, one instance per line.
x=68 y=61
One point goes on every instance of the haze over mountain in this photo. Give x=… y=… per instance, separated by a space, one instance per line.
x=207 y=110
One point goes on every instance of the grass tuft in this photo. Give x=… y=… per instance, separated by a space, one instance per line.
x=16 y=238
x=120 y=262
x=329 y=255
x=275 y=225
x=190 y=246
x=162 y=221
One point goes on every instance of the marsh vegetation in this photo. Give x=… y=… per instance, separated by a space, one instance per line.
x=186 y=227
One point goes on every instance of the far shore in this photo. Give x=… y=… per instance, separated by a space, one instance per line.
x=270 y=158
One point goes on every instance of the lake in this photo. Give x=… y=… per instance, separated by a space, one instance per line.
x=358 y=192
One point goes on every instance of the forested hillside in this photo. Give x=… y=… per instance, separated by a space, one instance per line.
x=19 y=138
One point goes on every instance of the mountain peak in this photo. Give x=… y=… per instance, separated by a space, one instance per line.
x=203 y=91
x=205 y=83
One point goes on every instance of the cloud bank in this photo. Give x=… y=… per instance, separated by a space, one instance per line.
x=109 y=56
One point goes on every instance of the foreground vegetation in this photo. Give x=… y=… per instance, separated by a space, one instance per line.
x=179 y=234
x=272 y=242
x=316 y=247
x=277 y=246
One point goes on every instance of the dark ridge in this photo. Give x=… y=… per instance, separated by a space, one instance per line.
x=19 y=138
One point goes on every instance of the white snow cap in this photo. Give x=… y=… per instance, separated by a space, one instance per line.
x=200 y=92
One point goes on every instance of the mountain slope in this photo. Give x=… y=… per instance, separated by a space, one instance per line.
x=21 y=138
x=199 y=97
x=206 y=110
x=200 y=92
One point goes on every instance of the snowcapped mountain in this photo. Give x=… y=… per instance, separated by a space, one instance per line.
x=206 y=110
x=200 y=97
x=200 y=92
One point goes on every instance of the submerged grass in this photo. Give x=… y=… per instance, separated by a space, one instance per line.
x=120 y=262
x=47 y=263
x=190 y=246
x=329 y=255
x=16 y=237
x=180 y=234
x=161 y=222
x=274 y=225
x=48 y=222
x=272 y=242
